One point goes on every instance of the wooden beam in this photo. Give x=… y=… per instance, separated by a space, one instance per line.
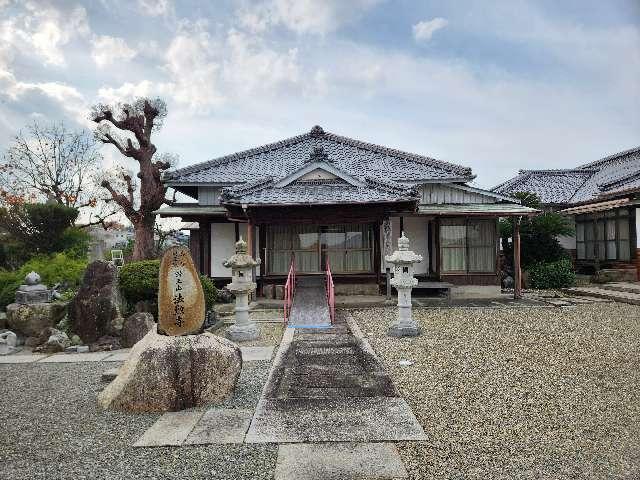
x=517 y=272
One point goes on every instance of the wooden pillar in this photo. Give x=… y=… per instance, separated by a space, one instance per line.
x=517 y=272
x=401 y=226
x=250 y=238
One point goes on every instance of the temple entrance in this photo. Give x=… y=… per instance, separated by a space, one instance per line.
x=348 y=248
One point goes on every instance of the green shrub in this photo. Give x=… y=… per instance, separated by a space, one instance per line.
x=58 y=268
x=9 y=283
x=75 y=242
x=210 y=292
x=139 y=281
x=558 y=274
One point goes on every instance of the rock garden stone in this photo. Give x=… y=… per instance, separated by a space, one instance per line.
x=31 y=319
x=180 y=294
x=56 y=341
x=95 y=310
x=170 y=373
x=31 y=342
x=8 y=342
x=76 y=340
x=106 y=343
x=135 y=328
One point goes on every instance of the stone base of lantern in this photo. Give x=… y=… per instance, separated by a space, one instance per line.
x=243 y=333
x=404 y=329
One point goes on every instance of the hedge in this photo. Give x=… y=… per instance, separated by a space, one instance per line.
x=558 y=274
x=139 y=281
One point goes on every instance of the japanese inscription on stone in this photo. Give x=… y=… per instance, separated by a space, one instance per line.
x=180 y=295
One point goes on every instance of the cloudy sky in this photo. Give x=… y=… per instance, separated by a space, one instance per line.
x=496 y=86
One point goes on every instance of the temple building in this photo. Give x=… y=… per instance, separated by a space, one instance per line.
x=603 y=198
x=321 y=199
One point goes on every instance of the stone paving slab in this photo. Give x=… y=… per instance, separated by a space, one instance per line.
x=171 y=429
x=339 y=461
x=372 y=419
x=17 y=358
x=255 y=354
x=219 y=425
x=117 y=356
x=76 y=357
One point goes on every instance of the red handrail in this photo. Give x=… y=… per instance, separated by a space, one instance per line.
x=331 y=299
x=289 y=289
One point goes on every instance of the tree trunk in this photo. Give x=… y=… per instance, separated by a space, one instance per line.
x=144 y=247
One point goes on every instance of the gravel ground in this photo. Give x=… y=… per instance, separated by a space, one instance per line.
x=51 y=428
x=519 y=393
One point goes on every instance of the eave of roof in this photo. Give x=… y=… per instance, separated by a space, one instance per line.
x=594 y=207
x=492 y=209
x=192 y=209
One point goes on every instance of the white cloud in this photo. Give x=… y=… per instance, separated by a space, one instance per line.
x=303 y=16
x=44 y=30
x=108 y=50
x=155 y=8
x=424 y=30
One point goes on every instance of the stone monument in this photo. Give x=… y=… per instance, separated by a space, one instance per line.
x=180 y=295
x=403 y=280
x=241 y=286
x=175 y=366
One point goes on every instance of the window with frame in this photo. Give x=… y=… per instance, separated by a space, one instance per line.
x=468 y=246
x=605 y=236
x=347 y=247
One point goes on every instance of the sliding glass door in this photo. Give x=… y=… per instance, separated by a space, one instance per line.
x=347 y=247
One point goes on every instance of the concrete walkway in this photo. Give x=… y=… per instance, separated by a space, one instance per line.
x=310 y=307
x=329 y=386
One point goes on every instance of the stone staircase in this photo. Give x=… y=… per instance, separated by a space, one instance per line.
x=623 y=292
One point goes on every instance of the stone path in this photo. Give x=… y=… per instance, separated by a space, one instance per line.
x=623 y=292
x=329 y=386
x=249 y=354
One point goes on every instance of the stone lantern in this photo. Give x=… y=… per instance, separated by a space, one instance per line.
x=32 y=291
x=403 y=261
x=241 y=286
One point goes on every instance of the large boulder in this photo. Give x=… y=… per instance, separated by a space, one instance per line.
x=30 y=320
x=95 y=310
x=135 y=328
x=164 y=373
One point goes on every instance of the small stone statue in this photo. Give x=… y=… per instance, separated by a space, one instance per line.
x=403 y=280
x=242 y=285
x=32 y=291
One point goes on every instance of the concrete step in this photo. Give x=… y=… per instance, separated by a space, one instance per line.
x=622 y=297
x=622 y=287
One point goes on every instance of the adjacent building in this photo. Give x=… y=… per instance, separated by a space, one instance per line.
x=603 y=197
x=321 y=200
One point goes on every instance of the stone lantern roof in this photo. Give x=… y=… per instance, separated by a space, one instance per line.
x=403 y=255
x=241 y=259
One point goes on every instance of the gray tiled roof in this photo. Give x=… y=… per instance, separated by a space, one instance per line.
x=264 y=192
x=354 y=157
x=581 y=184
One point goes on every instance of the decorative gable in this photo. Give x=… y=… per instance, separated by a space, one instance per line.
x=317 y=174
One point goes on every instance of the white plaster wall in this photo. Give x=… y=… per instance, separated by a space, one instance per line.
x=638 y=227
x=416 y=229
x=223 y=236
x=223 y=239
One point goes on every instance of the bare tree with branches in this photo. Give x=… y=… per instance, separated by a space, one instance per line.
x=136 y=122
x=51 y=162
